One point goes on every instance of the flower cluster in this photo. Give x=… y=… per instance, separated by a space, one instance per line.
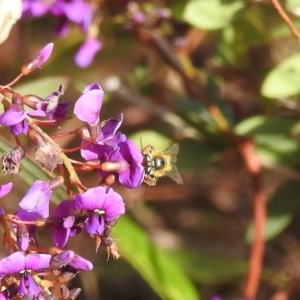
x=88 y=15
x=30 y=271
x=66 y=12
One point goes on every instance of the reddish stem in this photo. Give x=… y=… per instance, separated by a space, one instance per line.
x=63 y=134
x=15 y=80
x=77 y=148
x=253 y=166
x=286 y=19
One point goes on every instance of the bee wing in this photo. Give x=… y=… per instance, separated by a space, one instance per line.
x=174 y=174
x=172 y=151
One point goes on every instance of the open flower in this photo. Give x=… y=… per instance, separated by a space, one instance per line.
x=15 y=118
x=128 y=164
x=101 y=206
x=23 y=264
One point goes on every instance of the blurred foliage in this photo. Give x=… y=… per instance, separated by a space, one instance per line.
x=190 y=241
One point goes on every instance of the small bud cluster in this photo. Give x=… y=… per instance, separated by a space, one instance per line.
x=29 y=271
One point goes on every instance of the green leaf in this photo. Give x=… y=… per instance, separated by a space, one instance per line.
x=281 y=210
x=212 y=14
x=158 y=268
x=42 y=87
x=273 y=138
x=283 y=80
x=208 y=267
x=292 y=5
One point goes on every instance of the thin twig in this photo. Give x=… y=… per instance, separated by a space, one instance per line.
x=253 y=167
x=286 y=19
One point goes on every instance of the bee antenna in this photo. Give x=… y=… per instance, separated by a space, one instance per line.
x=141 y=143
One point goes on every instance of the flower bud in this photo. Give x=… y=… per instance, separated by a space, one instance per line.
x=65 y=292
x=22 y=237
x=33 y=101
x=81 y=264
x=110 y=179
x=67 y=275
x=74 y=293
x=17 y=100
x=83 y=133
x=62 y=259
x=39 y=59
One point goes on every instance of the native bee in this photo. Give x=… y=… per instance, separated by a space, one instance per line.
x=160 y=163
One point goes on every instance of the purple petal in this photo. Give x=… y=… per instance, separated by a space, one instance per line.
x=60 y=237
x=64 y=209
x=5 y=189
x=113 y=205
x=28 y=285
x=95 y=224
x=36 y=113
x=95 y=151
x=37 y=198
x=37 y=261
x=20 y=128
x=13 y=263
x=92 y=86
x=24 y=215
x=87 y=107
x=12 y=116
x=87 y=51
x=132 y=178
x=65 y=257
x=44 y=54
x=81 y=264
x=92 y=199
x=109 y=130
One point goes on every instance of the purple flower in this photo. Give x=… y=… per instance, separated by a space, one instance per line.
x=21 y=263
x=37 y=198
x=87 y=51
x=101 y=206
x=87 y=107
x=79 y=12
x=65 y=225
x=15 y=118
x=130 y=158
x=52 y=107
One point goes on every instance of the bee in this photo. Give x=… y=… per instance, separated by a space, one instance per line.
x=160 y=163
